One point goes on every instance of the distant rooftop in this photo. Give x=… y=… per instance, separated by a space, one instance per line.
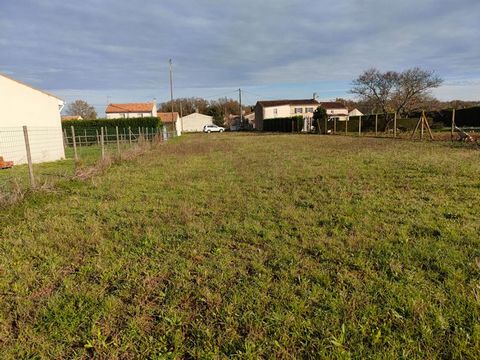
x=129 y=108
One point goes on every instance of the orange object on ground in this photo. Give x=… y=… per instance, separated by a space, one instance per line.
x=5 y=164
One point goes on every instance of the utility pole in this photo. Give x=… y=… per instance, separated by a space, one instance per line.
x=171 y=95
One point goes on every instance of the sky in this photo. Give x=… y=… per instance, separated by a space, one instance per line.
x=118 y=51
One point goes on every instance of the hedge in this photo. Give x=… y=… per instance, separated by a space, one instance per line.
x=92 y=125
x=285 y=124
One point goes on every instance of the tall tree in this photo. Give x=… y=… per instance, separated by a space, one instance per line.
x=83 y=109
x=319 y=116
x=396 y=92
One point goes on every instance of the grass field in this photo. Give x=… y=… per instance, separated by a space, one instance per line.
x=248 y=246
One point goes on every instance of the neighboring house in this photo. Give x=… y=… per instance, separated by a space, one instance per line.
x=272 y=109
x=335 y=110
x=237 y=124
x=131 y=110
x=195 y=122
x=355 y=112
x=170 y=120
x=21 y=104
x=68 y=117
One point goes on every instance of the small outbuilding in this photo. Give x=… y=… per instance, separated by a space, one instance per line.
x=195 y=122
x=22 y=105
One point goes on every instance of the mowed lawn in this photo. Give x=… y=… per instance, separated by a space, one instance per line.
x=248 y=246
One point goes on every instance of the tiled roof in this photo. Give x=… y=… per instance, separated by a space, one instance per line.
x=129 y=108
x=269 y=103
x=332 y=105
x=166 y=117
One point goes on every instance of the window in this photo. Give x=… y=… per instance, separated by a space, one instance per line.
x=275 y=111
x=298 y=110
x=309 y=110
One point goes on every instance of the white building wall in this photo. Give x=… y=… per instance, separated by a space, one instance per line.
x=130 y=115
x=195 y=122
x=281 y=111
x=22 y=105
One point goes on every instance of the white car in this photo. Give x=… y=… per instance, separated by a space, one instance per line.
x=213 y=128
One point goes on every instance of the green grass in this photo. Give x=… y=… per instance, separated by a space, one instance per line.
x=248 y=246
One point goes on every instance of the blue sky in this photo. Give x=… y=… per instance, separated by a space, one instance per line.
x=118 y=50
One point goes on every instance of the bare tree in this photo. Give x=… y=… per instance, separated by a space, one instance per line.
x=83 y=109
x=394 y=92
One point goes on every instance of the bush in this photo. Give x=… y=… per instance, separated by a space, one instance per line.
x=92 y=125
x=286 y=124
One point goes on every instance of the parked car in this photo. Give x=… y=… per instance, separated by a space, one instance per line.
x=213 y=128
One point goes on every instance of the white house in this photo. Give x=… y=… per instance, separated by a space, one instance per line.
x=131 y=110
x=195 y=122
x=22 y=105
x=335 y=110
x=272 y=109
x=355 y=112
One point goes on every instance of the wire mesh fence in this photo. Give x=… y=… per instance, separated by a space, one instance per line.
x=33 y=157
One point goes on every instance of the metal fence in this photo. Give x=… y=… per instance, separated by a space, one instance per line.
x=32 y=157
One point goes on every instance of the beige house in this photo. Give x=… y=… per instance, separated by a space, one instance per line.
x=335 y=110
x=131 y=110
x=71 y=117
x=22 y=105
x=272 y=109
x=195 y=122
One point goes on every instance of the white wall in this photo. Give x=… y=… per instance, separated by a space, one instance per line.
x=131 y=115
x=195 y=122
x=22 y=105
x=282 y=111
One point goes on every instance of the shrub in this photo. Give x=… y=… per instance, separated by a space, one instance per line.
x=92 y=125
x=286 y=124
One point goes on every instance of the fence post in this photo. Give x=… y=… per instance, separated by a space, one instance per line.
x=376 y=125
x=97 y=137
x=65 y=138
x=346 y=126
x=102 y=143
x=118 y=140
x=360 y=125
x=139 y=133
x=453 y=125
x=395 y=125
x=335 y=126
x=326 y=125
x=86 y=138
x=146 y=133
x=75 y=155
x=124 y=135
x=29 y=157
x=130 y=135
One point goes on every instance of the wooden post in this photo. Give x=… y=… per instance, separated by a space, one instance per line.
x=326 y=125
x=139 y=133
x=452 y=132
x=376 y=124
x=118 y=140
x=75 y=155
x=360 y=125
x=334 y=126
x=422 y=128
x=97 y=137
x=130 y=135
x=146 y=133
x=102 y=143
x=395 y=125
x=346 y=127
x=65 y=138
x=124 y=135
x=29 y=157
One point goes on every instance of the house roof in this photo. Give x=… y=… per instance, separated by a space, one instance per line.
x=129 y=108
x=333 y=105
x=269 y=103
x=31 y=87
x=166 y=117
